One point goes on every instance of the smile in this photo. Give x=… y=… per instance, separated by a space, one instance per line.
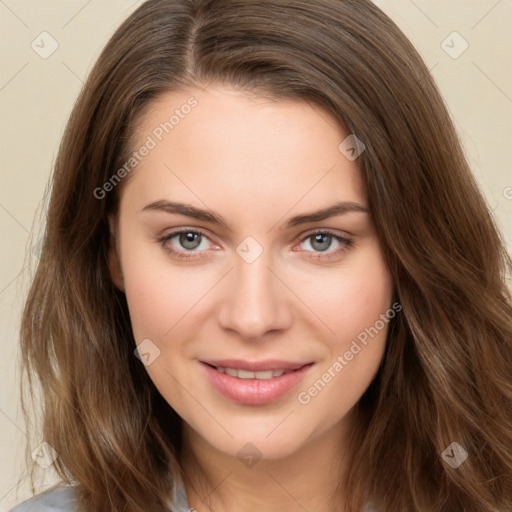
x=254 y=383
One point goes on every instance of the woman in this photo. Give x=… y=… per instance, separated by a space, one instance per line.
x=269 y=280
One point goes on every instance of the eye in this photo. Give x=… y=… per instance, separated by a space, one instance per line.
x=188 y=241
x=322 y=240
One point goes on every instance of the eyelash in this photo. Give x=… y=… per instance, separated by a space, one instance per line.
x=345 y=243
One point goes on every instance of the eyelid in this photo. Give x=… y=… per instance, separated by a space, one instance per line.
x=303 y=236
x=328 y=231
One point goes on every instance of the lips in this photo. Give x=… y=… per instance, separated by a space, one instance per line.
x=254 y=383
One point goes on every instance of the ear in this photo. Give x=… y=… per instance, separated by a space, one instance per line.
x=114 y=263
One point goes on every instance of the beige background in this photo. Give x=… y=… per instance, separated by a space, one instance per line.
x=37 y=94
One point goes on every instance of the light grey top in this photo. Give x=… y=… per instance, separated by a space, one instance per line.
x=62 y=499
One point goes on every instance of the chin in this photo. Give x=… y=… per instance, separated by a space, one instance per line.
x=248 y=441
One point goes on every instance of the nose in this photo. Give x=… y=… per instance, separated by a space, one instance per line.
x=256 y=300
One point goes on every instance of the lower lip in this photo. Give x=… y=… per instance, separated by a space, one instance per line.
x=255 y=391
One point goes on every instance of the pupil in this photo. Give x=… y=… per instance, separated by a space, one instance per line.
x=323 y=246
x=188 y=240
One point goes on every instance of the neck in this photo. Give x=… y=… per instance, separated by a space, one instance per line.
x=307 y=479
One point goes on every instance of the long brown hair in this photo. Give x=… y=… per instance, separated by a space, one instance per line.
x=446 y=373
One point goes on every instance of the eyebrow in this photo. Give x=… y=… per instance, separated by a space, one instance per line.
x=187 y=210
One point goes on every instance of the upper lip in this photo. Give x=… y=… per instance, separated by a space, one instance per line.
x=254 y=366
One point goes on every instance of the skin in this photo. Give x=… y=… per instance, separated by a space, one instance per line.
x=257 y=163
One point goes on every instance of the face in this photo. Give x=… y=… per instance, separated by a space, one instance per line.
x=258 y=321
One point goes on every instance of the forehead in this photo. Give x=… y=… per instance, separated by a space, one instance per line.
x=228 y=144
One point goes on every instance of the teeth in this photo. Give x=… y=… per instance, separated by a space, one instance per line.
x=245 y=374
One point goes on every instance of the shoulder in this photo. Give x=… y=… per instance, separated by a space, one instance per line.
x=57 y=499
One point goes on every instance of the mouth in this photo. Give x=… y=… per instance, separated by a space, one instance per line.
x=239 y=373
x=256 y=383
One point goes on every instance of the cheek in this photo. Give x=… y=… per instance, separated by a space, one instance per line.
x=351 y=299
x=158 y=294
x=355 y=308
